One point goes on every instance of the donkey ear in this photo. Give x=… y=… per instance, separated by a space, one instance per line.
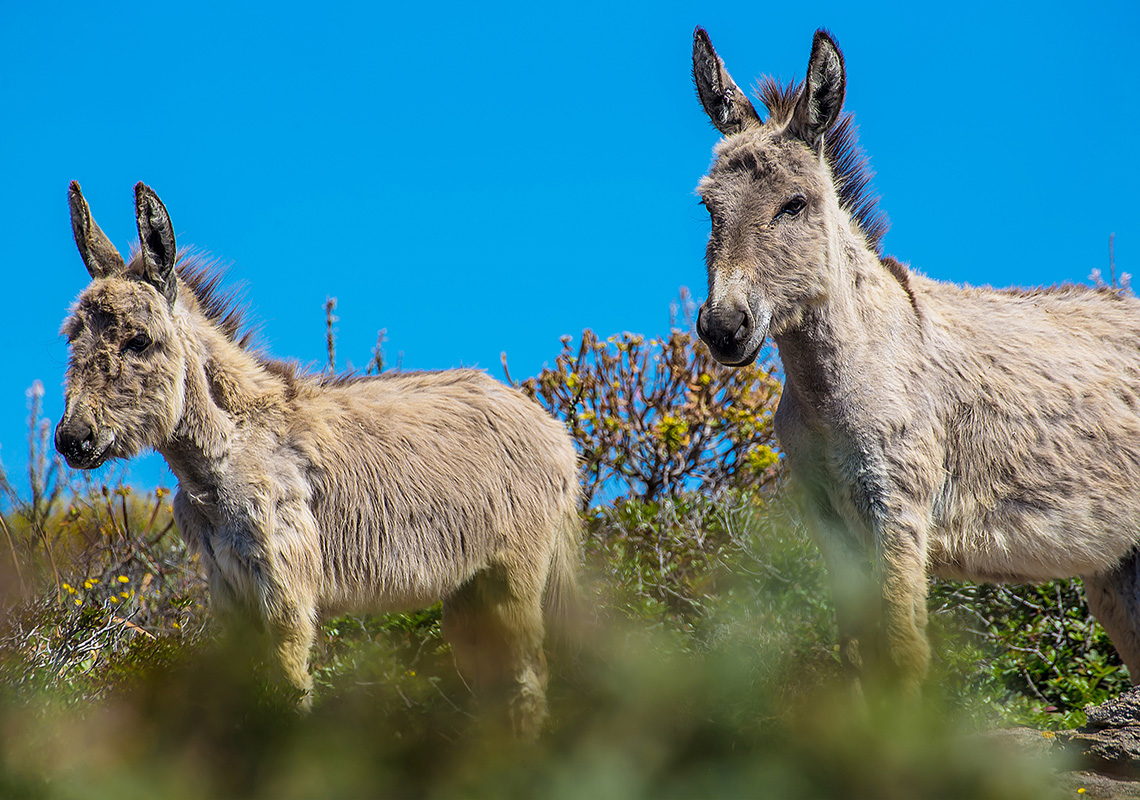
x=821 y=98
x=156 y=235
x=726 y=105
x=99 y=255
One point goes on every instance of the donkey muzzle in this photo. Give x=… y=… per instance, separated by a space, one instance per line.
x=78 y=441
x=730 y=333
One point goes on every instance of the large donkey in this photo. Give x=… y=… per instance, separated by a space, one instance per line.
x=303 y=494
x=984 y=434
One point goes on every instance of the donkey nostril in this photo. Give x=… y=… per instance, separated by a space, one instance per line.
x=724 y=327
x=702 y=329
x=734 y=322
x=734 y=326
x=743 y=327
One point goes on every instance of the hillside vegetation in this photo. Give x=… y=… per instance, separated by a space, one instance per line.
x=704 y=663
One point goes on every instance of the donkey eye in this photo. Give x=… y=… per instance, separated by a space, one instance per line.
x=137 y=343
x=792 y=207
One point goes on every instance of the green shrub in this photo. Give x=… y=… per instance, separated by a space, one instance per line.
x=1030 y=655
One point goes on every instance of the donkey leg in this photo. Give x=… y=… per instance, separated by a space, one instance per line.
x=856 y=595
x=294 y=634
x=260 y=614
x=1114 y=599
x=902 y=566
x=291 y=617
x=496 y=634
x=880 y=606
x=856 y=598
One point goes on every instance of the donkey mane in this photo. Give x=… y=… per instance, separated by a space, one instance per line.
x=849 y=165
x=202 y=275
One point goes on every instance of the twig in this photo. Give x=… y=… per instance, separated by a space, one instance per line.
x=111 y=513
x=330 y=333
x=154 y=512
x=15 y=558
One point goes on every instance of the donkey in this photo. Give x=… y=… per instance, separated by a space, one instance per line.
x=304 y=495
x=931 y=429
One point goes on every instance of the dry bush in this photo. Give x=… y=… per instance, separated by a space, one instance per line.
x=659 y=417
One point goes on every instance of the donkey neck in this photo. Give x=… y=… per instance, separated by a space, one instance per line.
x=227 y=392
x=867 y=322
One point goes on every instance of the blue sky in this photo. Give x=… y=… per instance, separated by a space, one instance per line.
x=480 y=177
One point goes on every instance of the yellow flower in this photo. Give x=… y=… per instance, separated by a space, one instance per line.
x=1081 y=790
x=124 y=579
x=70 y=589
x=78 y=602
x=760 y=458
x=114 y=599
x=1049 y=734
x=124 y=594
x=87 y=584
x=673 y=431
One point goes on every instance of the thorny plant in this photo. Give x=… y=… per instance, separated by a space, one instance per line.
x=1033 y=646
x=376 y=363
x=331 y=320
x=1121 y=284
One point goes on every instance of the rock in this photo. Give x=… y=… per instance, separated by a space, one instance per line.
x=1096 y=785
x=1116 y=713
x=1110 y=742
x=1023 y=742
x=1099 y=760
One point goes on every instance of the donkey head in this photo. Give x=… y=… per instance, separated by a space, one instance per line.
x=772 y=202
x=126 y=367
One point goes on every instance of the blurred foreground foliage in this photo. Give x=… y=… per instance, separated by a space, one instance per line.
x=706 y=665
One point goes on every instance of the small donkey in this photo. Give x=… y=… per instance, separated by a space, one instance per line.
x=302 y=494
x=984 y=434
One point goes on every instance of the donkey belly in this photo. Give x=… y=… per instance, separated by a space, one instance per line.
x=1031 y=545
x=343 y=599
x=372 y=566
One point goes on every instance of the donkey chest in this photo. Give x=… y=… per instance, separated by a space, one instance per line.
x=245 y=504
x=827 y=455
